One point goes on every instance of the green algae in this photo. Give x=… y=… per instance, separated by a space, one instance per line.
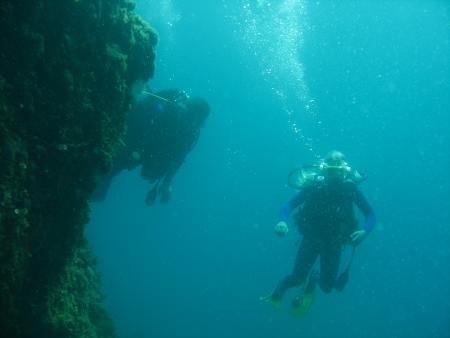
x=66 y=69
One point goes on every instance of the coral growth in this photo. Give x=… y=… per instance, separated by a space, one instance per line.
x=66 y=68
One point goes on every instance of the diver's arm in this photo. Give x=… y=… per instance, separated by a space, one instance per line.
x=290 y=205
x=281 y=228
x=366 y=209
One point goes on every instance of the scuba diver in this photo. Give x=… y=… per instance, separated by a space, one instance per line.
x=161 y=129
x=327 y=221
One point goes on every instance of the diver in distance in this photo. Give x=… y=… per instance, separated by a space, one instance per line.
x=161 y=129
x=326 y=219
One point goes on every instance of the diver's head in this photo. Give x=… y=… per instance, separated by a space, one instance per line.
x=335 y=166
x=335 y=158
x=198 y=110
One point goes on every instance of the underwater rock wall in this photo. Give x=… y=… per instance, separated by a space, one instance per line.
x=66 y=68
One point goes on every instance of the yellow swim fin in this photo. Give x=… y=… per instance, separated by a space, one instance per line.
x=277 y=304
x=302 y=303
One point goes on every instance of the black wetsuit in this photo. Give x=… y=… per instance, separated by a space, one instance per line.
x=158 y=138
x=325 y=219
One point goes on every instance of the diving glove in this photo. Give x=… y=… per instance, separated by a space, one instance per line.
x=357 y=237
x=281 y=228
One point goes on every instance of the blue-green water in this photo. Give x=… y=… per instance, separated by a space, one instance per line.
x=288 y=81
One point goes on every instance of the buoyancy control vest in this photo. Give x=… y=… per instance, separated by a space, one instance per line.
x=328 y=210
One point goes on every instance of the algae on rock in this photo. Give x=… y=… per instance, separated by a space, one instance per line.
x=66 y=68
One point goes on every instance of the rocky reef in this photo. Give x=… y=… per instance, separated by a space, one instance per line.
x=66 y=69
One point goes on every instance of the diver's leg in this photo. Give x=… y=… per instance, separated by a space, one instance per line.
x=306 y=256
x=151 y=195
x=165 y=189
x=330 y=257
